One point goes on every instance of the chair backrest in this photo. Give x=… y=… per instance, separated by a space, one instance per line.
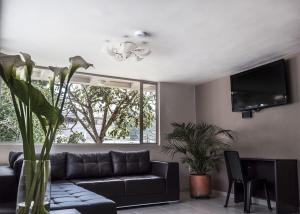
x=233 y=166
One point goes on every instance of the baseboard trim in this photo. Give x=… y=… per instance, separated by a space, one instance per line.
x=255 y=200
x=148 y=204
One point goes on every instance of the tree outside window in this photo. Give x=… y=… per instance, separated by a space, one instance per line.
x=109 y=112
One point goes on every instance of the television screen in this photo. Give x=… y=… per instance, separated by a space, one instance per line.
x=260 y=87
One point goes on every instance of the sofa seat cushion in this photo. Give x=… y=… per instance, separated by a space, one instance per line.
x=144 y=184
x=131 y=163
x=104 y=186
x=6 y=172
x=95 y=165
x=66 y=195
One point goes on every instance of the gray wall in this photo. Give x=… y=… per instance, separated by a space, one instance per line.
x=177 y=104
x=271 y=133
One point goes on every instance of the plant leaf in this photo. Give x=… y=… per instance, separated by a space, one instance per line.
x=40 y=105
x=201 y=145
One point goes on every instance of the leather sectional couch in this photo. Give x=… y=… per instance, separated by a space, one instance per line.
x=100 y=182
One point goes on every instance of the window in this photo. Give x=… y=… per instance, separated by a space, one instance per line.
x=98 y=110
x=149 y=114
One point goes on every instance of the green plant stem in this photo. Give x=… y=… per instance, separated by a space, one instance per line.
x=20 y=118
x=37 y=187
x=48 y=143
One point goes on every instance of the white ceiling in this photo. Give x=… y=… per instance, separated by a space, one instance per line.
x=192 y=40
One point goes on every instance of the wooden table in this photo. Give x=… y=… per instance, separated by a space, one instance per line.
x=68 y=211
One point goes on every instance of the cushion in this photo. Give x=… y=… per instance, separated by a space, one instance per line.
x=131 y=163
x=17 y=167
x=103 y=186
x=65 y=195
x=95 y=165
x=12 y=157
x=144 y=185
x=58 y=166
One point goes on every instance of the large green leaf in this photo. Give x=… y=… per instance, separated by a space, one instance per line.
x=39 y=104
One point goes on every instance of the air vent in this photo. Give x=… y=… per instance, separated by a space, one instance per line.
x=118 y=84
x=80 y=79
x=36 y=74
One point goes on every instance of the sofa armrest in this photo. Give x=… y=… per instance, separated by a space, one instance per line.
x=8 y=184
x=169 y=171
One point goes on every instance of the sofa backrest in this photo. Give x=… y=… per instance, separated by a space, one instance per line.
x=12 y=157
x=131 y=163
x=91 y=165
x=94 y=165
x=58 y=165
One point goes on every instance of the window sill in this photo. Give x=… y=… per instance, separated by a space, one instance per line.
x=89 y=144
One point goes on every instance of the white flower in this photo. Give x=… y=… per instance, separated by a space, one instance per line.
x=9 y=64
x=79 y=62
x=21 y=73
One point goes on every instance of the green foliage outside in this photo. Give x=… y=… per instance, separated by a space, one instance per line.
x=9 y=129
x=118 y=109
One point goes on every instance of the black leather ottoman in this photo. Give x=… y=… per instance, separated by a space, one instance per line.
x=66 y=195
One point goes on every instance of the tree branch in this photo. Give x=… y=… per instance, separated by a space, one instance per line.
x=85 y=126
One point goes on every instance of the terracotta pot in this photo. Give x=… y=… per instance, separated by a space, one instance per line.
x=200 y=186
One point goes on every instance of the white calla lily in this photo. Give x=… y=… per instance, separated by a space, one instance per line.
x=59 y=70
x=28 y=101
x=27 y=59
x=79 y=62
x=21 y=73
x=9 y=63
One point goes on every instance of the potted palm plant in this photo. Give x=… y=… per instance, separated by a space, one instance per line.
x=201 y=147
x=29 y=102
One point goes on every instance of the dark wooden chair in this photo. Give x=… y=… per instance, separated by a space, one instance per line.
x=235 y=174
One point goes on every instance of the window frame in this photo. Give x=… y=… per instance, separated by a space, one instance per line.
x=142 y=82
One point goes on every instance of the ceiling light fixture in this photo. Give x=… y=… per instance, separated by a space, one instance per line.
x=129 y=49
x=142 y=34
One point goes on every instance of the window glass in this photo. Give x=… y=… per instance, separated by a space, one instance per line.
x=103 y=113
x=97 y=110
x=149 y=113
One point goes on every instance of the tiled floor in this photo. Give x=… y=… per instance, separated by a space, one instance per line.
x=200 y=206
x=188 y=206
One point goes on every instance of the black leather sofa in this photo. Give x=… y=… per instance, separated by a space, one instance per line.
x=100 y=182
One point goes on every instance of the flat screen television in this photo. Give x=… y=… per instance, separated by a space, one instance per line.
x=260 y=87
